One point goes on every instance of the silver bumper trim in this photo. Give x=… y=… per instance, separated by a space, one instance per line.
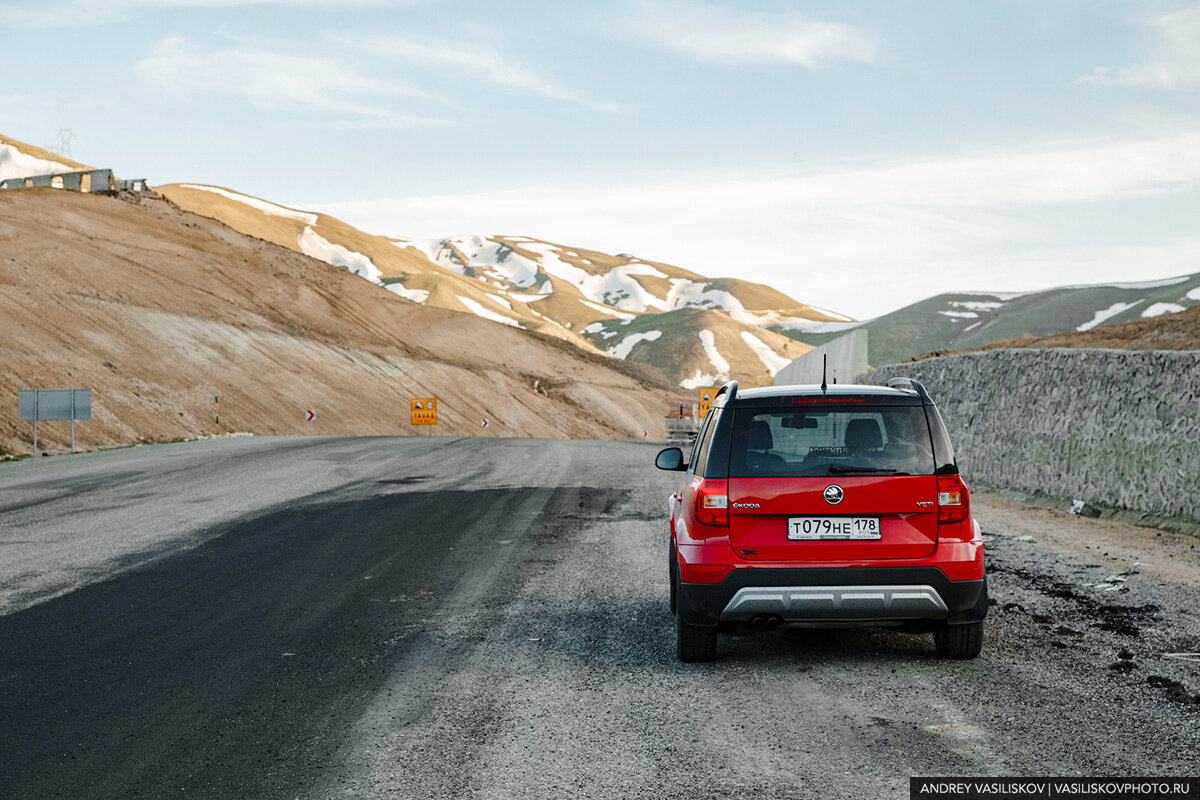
x=836 y=603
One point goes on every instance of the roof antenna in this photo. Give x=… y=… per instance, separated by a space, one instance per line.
x=824 y=363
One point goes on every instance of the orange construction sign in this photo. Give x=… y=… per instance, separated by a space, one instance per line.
x=423 y=411
x=707 y=395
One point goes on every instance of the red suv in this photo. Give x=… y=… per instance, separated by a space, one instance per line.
x=819 y=506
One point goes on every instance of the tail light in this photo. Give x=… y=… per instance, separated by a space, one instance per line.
x=712 y=502
x=953 y=502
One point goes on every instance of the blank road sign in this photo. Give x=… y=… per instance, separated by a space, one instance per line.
x=423 y=411
x=53 y=404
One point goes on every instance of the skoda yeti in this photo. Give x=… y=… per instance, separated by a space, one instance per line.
x=829 y=506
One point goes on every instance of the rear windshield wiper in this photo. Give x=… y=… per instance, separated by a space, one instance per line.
x=835 y=469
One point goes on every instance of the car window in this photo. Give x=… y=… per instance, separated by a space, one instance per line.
x=700 y=440
x=831 y=441
x=706 y=444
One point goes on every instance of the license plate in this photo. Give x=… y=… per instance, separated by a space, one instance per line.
x=804 y=528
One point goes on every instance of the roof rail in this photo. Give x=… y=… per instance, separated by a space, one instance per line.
x=910 y=385
x=731 y=389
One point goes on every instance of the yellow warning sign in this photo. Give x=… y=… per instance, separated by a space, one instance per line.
x=707 y=395
x=423 y=411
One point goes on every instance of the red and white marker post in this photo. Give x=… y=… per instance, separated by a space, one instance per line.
x=310 y=415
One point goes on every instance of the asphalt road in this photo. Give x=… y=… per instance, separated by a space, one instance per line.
x=412 y=618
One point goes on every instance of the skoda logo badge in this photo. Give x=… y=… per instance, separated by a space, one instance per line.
x=834 y=494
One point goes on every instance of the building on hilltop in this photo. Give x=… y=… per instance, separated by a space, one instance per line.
x=88 y=180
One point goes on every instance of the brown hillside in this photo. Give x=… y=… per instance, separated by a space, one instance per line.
x=157 y=310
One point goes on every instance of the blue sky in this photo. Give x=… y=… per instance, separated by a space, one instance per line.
x=857 y=155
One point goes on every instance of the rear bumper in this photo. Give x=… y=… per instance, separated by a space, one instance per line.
x=823 y=595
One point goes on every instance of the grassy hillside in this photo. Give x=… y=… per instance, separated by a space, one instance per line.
x=960 y=321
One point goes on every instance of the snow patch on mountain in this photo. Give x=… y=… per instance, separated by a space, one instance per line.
x=1158 y=309
x=415 y=295
x=969 y=309
x=313 y=244
x=622 y=348
x=695 y=294
x=700 y=379
x=1194 y=294
x=255 y=203
x=612 y=312
x=770 y=359
x=616 y=288
x=977 y=305
x=1107 y=313
x=709 y=343
x=428 y=247
x=814 y=326
x=16 y=164
x=496 y=259
x=479 y=311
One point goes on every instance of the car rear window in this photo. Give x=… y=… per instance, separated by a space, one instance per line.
x=831 y=440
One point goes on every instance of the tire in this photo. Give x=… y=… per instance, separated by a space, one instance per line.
x=695 y=642
x=959 y=641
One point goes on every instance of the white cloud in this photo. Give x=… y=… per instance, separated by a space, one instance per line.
x=938 y=223
x=739 y=36
x=276 y=80
x=1173 y=62
x=87 y=13
x=473 y=61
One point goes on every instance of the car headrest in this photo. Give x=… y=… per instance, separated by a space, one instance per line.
x=758 y=437
x=864 y=434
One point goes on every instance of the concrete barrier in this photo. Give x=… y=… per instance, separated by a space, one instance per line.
x=1116 y=427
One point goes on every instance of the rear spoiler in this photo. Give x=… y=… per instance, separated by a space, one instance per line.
x=910 y=385
x=730 y=389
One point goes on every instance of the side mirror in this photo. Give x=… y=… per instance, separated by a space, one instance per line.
x=671 y=459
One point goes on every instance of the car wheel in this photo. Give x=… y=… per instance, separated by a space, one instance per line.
x=695 y=642
x=959 y=641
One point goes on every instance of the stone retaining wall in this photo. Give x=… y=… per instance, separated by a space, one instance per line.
x=1116 y=427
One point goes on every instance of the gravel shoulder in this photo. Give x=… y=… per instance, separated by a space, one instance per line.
x=1123 y=548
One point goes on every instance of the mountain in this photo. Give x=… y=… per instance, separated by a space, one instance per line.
x=164 y=313
x=1177 y=331
x=966 y=320
x=695 y=329
x=21 y=160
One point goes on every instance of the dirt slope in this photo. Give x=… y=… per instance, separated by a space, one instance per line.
x=160 y=311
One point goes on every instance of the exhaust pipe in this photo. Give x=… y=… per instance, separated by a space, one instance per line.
x=759 y=622
x=772 y=623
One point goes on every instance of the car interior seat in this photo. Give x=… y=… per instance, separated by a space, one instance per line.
x=862 y=435
x=758 y=445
